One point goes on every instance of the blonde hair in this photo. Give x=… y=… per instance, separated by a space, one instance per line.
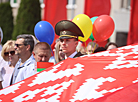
x=9 y=44
x=93 y=44
x=56 y=54
x=80 y=48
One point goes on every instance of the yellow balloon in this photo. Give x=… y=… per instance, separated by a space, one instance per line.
x=85 y=25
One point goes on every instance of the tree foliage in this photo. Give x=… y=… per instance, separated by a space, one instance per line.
x=6 y=21
x=29 y=14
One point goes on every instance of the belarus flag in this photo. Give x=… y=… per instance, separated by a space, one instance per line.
x=133 y=29
x=83 y=79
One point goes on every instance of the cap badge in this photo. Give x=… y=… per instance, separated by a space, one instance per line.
x=64 y=32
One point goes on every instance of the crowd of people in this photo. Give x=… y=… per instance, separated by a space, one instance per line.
x=18 y=58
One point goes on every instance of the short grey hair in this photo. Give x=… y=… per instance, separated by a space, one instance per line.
x=28 y=40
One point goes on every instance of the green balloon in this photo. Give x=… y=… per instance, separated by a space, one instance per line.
x=93 y=19
x=91 y=37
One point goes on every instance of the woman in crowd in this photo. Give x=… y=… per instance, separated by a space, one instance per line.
x=91 y=47
x=81 y=48
x=59 y=55
x=8 y=54
x=111 y=45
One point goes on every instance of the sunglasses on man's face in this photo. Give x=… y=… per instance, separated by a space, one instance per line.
x=17 y=45
x=11 y=52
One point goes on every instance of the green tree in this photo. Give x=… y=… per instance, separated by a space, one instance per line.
x=6 y=21
x=29 y=14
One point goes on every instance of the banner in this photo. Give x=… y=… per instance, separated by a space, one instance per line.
x=81 y=79
x=96 y=8
x=54 y=11
x=133 y=32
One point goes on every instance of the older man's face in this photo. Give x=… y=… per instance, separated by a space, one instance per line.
x=42 y=55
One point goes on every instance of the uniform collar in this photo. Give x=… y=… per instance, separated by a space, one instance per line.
x=72 y=55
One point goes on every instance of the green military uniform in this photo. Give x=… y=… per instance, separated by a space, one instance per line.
x=66 y=29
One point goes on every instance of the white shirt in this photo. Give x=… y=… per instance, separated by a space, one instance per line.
x=0 y=47
x=24 y=71
x=72 y=55
x=6 y=74
x=52 y=59
x=1 y=79
x=2 y=63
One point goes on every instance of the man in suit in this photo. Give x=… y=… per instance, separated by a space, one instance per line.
x=68 y=33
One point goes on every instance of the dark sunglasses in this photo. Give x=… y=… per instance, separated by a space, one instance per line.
x=17 y=45
x=11 y=52
x=60 y=49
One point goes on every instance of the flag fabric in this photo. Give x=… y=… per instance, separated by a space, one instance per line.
x=82 y=79
x=54 y=11
x=40 y=66
x=96 y=8
x=133 y=32
x=127 y=94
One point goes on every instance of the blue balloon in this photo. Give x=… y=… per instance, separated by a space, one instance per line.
x=44 y=32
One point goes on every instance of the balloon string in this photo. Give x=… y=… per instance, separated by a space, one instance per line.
x=91 y=46
x=94 y=47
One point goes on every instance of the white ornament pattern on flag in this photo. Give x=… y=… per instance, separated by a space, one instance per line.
x=80 y=79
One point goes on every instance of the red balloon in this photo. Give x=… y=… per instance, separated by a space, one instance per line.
x=103 y=28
